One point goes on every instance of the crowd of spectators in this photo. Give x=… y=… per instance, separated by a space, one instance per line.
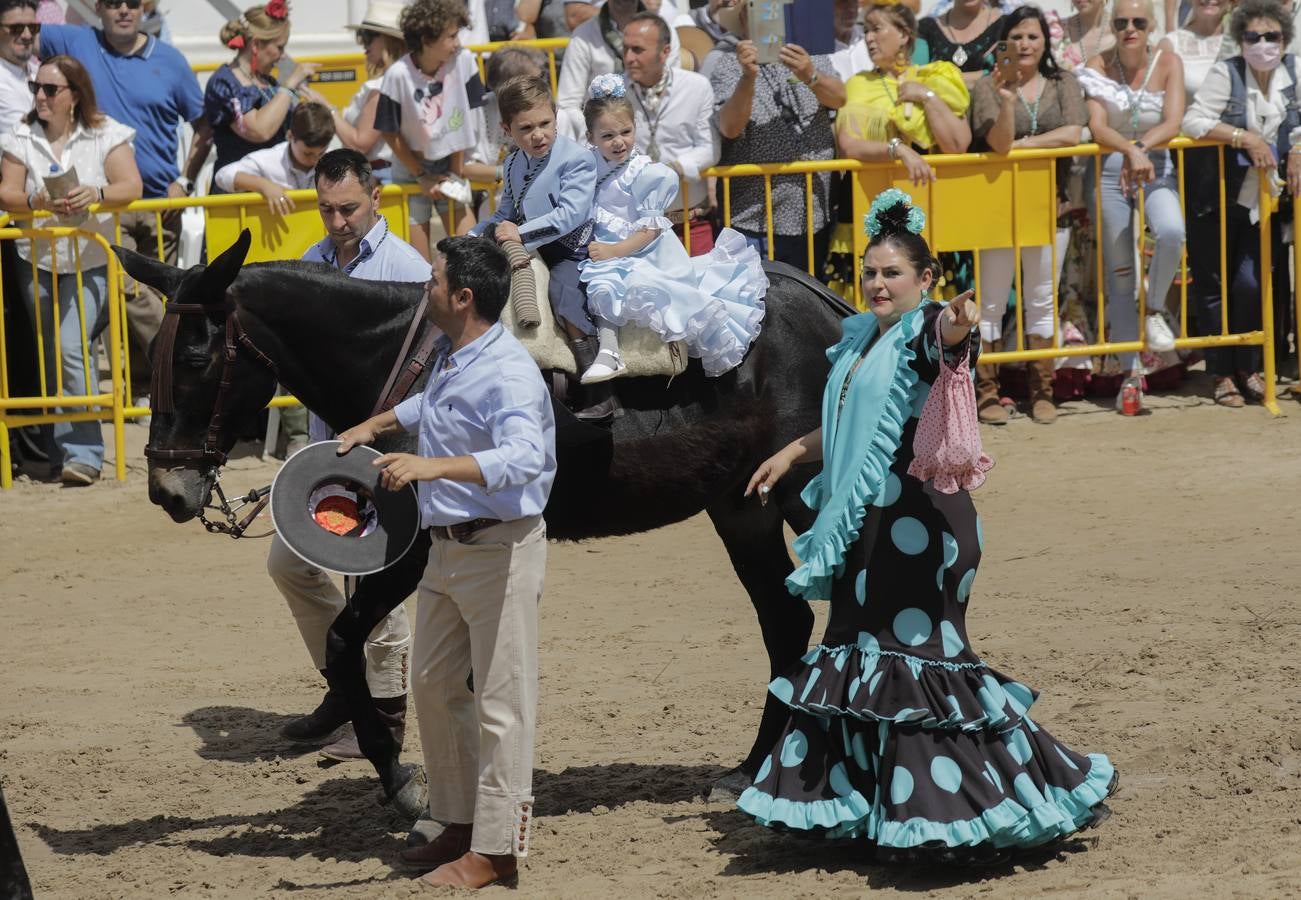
x=898 y=86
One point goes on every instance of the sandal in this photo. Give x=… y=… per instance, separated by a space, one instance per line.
x=1227 y=394
x=1254 y=387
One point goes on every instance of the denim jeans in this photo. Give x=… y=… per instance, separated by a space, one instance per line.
x=1165 y=219
x=79 y=442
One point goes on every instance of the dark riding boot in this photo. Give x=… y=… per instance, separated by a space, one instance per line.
x=321 y=723
x=598 y=399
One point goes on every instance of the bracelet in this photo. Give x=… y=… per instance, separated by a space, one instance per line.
x=31 y=205
x=1236 y=140
x=101 y=194
x=892 y=147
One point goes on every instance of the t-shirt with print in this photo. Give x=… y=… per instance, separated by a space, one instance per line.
x=434 y=115
x=787 y=123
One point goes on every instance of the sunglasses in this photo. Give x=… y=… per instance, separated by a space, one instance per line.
x=16 y=31
x=1119 y=24
x=1269 y=37
x=50 y=90
x=364 y=37
x=117 y=4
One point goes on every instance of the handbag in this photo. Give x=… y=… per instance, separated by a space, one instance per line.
x=946 y=446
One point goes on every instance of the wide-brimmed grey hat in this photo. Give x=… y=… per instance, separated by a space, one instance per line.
x=381 y=16
x=333 y=513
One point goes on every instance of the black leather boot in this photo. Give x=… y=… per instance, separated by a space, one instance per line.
x=320 y=724
x=598 y=400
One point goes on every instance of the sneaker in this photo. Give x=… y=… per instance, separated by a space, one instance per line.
x=607 y=365
x=1160 y=339
x=78 y=474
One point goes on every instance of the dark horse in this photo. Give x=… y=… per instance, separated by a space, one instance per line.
x=684 y=445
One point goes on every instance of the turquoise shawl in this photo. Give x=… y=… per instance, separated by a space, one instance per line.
x=859 y=443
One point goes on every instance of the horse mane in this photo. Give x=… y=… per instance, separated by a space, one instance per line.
x=318 y=289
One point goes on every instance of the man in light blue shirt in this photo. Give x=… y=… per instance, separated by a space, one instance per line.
x=358 y=243
x=486 y=463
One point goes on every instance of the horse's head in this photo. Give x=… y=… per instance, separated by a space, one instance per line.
x=202 y=391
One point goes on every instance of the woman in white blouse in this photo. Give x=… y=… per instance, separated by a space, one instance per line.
x=1248 y=102
x=65 y=132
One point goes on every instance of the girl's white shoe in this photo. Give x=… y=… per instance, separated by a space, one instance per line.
x=607 y=365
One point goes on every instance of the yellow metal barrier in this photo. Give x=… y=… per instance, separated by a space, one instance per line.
x=997 y=202
x=43 y=407
x=341 y=74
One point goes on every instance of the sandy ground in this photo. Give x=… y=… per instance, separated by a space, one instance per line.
x=1140 y=572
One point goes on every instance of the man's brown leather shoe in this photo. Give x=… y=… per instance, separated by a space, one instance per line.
x=474 y=870
x=451 y=844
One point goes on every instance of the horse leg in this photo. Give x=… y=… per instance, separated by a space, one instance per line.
x=754 y=540
x=13 y=877
x=378 y=723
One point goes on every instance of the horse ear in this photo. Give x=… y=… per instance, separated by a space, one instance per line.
x=223 y=270
x=147 y=270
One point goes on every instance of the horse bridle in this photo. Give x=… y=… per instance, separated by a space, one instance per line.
x=210 y=456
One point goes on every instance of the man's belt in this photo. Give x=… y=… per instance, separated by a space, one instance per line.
x=675 y=216
x=461 y=530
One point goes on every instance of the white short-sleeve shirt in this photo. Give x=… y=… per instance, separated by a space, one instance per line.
x=86 y=150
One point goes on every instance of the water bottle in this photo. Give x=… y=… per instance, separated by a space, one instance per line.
x=1131 y=396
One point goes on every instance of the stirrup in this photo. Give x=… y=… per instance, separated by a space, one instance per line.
x=607 y=365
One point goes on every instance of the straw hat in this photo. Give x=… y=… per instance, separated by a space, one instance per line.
x=381 y=16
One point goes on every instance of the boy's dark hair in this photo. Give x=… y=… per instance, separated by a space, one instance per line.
x=6 y=5
x=313 y=124
x=338 y=164
x=510 y=62
x=480 y=265
x=661 y=27
x=522 y=93
x=425 y=21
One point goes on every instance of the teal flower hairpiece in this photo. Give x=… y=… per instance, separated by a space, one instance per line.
x=887 y=199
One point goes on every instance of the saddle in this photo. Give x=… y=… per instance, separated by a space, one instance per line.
x=644 y=351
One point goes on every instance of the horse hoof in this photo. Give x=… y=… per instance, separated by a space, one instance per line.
x=729 y=788
x=411 y=801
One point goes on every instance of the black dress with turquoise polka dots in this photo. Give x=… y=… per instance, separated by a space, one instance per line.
x=899 y=733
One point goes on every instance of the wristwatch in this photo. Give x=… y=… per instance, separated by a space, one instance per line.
x=892 y=147
x=812 y=81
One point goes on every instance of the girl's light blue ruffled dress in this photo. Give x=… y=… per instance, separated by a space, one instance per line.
x=714 y=302
x=900 y=734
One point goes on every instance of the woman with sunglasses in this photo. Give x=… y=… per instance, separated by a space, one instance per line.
x=1136 y=105
x=900 y=111
x=246 y=106
x=381 y=39
x=1040 y=107
x=65 y=133
x=1246 y=104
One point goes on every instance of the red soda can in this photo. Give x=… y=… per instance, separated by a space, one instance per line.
x=1130 y=399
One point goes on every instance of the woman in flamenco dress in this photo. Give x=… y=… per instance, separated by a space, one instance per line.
x=899 y=733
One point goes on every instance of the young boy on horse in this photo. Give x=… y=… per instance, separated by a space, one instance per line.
x=546 y=205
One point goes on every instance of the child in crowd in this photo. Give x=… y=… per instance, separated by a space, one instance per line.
x=637 y=271
x=427 y=107
x=289 y=165
x=546 y=204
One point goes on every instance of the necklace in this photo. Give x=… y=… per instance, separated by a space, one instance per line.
x=1134 y=96
x=960 y=56
x=1032 y=111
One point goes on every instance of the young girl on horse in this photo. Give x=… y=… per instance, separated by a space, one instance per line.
x=638 y=272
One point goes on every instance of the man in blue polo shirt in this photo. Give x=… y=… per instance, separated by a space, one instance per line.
x=148 y=85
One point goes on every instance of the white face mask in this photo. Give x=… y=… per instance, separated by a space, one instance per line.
x=1263 y=56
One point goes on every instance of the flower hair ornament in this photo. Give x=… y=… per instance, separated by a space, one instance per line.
x=882 y=215
x=277 y=9
x=608 y=85
x=236 y=43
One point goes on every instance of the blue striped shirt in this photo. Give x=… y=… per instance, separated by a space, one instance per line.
x=383 y=257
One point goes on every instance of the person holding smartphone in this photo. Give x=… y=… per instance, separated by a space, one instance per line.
x=1026 y=102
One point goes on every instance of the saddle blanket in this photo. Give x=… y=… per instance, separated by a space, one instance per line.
x=644 y=351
